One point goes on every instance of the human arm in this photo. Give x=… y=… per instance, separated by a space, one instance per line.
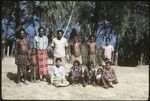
x=16 y=52
x=103 y=57
x=46 y=42
x=35 y=43
x=112 y=55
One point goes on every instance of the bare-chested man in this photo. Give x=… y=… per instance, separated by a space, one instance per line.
x=21 y=58
x=92 y=49
x=76 y=49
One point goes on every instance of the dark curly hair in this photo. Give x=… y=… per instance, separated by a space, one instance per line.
x=76 y=61
x=40 y=29
x=58 y=59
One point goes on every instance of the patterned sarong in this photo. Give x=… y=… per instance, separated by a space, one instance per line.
x=42 y=62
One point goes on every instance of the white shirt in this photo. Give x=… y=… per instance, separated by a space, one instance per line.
x=41 y=42
x=108 y=51
x=59 y=47
x=58 y=72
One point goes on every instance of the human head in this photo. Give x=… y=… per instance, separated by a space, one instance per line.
x=58 y=62
x=41 y=31
x=59 y=34
x=92 y=38
x=75 y=38
x=107 y=41
x=100 y=70
x=91 y=65
x=33 y=50
x=108 y=63
x=76 y=63
x=22 y=33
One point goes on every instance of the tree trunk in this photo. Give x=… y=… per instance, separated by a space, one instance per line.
x=70 y=18
x=96 y=16
x=17 y=14
x=116 y=52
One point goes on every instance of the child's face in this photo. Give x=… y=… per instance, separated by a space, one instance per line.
x=76 y=64
x=107 y=66
x=75 y=39
x=58 y=63
x=92 y=39
x=107 y=42
x=33 y=51
x=91 y=66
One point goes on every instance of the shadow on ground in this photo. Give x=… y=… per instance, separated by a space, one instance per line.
x=12 y=76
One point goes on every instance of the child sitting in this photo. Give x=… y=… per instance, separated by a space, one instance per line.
x=58 y=74
x=99 y=74
x=109 y=76
x=89 y=74
x=75 y=74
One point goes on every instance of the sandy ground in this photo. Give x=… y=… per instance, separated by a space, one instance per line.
x=133 y=85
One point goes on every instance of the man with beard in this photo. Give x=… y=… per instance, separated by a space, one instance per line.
x=59 y=44
x=41 y=44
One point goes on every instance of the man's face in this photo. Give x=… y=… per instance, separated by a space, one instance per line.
x=41 y=33
x=22 y=35
x=59 y=35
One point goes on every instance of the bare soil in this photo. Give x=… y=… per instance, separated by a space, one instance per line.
x=133 y=85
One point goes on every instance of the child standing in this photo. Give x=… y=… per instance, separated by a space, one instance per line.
x=33 y=65
x=108 y=52
x=92 y=49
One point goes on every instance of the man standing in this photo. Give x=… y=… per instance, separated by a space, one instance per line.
x=41 y=44
x=21 y=58
x=108 y=52
x=59 y=45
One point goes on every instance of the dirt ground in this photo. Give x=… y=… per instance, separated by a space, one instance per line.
x=133 y=85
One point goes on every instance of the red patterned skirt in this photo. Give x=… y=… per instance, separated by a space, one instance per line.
x=42 y=62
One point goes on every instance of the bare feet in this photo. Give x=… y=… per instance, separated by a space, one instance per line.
x=26 y=83
x=106 y=87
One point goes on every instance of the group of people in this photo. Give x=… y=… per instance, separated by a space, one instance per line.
x=36 y=59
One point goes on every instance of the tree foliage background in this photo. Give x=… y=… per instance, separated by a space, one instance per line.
x=127 y=20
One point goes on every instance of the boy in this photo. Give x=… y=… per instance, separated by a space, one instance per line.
x=33 y=65
x=58 y=74
x=109 y=76
x=99 y=74
x=89 y=74
x=75 y=74
x=76 y=49
x=92 y=49
x=108 y=52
